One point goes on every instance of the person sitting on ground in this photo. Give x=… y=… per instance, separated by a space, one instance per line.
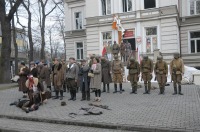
x=34 y=89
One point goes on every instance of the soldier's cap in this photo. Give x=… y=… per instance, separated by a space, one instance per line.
x=23 y=63
x=71 y=58
x=63 y=103
x=83 y=60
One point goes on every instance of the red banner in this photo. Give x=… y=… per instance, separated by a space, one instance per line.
x=129 y=33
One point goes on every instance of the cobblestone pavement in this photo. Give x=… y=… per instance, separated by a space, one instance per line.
x=149 y=111
x=29 y=126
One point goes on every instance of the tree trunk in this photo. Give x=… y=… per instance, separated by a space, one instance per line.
x=15 y=45
x=5 y=51
x=30 y=37
x=42 y=54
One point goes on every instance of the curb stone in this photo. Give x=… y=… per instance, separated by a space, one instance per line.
x=93 y=124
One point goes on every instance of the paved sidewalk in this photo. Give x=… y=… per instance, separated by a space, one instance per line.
x=9 y=125
x=129 y=112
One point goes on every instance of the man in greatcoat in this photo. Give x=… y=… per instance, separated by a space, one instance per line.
x=64 y=66
x=58 y=79
x=72 y=77
x=45 y=77
x=106 y=74
x=23 y=73
x=84 y=80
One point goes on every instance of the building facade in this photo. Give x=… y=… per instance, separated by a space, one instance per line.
x=147 y=24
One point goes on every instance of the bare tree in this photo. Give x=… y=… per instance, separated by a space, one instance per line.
x=42 y=9
x=6 y=39
x=14 y=42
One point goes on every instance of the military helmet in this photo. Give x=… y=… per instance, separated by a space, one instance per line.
x=145 y=57
x=159 y=58
x=63 y=103
x=176 y=55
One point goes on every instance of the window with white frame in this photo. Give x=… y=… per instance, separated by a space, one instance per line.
x=127 y=5
x=106 y=7
x=78 y=20
x=151 y=39
x=194 y=7
x=149 y=4
x=195 y=42
x=79 y=50
x=107 y=38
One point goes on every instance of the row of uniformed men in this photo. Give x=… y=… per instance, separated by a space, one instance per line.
x=146 y=69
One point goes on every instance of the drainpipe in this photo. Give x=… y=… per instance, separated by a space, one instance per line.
x=179 y=25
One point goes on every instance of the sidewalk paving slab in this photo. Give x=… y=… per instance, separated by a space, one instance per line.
x=129 y=112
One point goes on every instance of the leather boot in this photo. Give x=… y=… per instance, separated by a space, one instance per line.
x=74 y=95
x=61 y=95
x=149 y=88
x=71 y=93
x=179 y=90
x=104 y=88
x=115 y=86
x=175 y=90
x=88 y=95
x=133 y=90
x=108 y=88
x=83 y=95
x=56 y=97
x=146 y=92
x=120 y=87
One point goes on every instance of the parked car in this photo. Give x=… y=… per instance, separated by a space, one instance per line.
x=15 y=79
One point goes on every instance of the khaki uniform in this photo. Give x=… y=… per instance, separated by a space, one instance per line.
x=161 y=71
x=115 y=49
x=147 y=69
x=176 y=71
x=122 y=51
x=134 y=71
x=118 y=71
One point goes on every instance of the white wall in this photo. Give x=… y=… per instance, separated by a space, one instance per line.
x=70 y=9
x=92 y=8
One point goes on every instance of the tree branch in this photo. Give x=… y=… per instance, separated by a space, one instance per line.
x=14 y=9
x=19 y=21
x=53 y=8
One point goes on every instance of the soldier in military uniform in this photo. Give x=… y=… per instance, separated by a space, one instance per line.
x=176 y=71
x=161 y=71
x=115 y=49
x=134 y=72
x=118 y=72
x=122 y=51
x=147 y=69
